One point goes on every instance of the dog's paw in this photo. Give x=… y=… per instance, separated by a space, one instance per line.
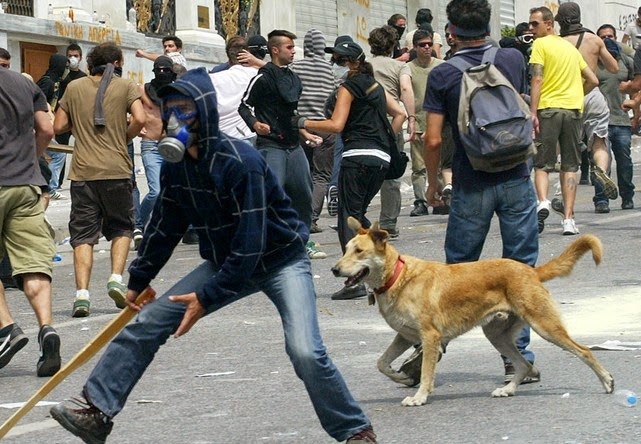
x=414 y=401
x=608 y=383
x=503 y=392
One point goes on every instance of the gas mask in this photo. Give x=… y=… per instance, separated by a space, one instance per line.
x=74 y=62
x=178 y=137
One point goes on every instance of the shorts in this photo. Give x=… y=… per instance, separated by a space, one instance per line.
x=562 y=127
x=100 y=206
x=447 y=148
x=596 y=117
x=26 y=237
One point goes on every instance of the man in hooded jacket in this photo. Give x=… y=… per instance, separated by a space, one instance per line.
x=250 y=239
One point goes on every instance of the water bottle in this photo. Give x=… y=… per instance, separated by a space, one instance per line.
x=626 y=398
x=58 y=258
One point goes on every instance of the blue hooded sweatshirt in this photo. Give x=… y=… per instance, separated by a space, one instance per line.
x=244 y=220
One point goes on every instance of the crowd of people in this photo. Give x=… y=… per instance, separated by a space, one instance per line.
x=243 y=158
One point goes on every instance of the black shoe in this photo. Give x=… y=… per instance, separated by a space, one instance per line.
x=353 y=292
x=332 y=200
x=441 y=210
x=12 y=339
x=627 y=204
x=413 y=364
x=365 y=435
x=529 y=379
x=87 y=422
x=137 y=238
x=601 y=208
x=315 y=228
x=558 y=207
x=49 y=362
x=420 y=209
x=190 y=237
x=393 y=232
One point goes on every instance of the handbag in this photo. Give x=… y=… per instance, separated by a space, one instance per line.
x=398 y=158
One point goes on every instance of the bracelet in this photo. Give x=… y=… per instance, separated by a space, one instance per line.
x=409 y=117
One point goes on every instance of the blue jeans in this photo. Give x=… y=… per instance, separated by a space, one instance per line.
x=471 y=213
x=152 y=161
x=620 y=139
x=56 y=164
x=136 y=192
x=291 y=169
x=291 y=289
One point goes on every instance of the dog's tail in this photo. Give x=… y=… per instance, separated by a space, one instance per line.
x=563 y=265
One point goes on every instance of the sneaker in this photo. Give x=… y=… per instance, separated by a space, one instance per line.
x=393 y=232
x=190 y=237
x=315 y=228
x=353 y=292
x=609 y=187
x=332 y=200
x=80 y=308
x=601 y=208
x=441 y=210
x=569 y=227
x=137 y=238
x=627 y=204
x=412 y=366
x=558 y=207
x=313 y=252
x=365 y=435
x=87 y=422
x=509 y=375
x=49 y=362
x=117 y=291
x=12 y=339
x=542 y=213
x=55 y=195
x=420 y=209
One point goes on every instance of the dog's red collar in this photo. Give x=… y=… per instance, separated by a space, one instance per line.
x=400 y=262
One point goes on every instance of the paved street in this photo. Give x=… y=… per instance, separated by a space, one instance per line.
x=229 y=380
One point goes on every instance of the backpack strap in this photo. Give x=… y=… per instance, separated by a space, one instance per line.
x=463 y=65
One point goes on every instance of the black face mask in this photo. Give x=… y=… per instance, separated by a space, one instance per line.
x=163 y=78
x=399 y=30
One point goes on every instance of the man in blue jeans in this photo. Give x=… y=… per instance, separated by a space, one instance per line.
x=250 y=239
x=478 y=195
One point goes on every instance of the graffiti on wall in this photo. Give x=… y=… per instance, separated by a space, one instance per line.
x=626 y=19
x=95 y=34
x=361 y=13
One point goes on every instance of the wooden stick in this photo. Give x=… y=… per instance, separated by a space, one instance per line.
x=87 y=352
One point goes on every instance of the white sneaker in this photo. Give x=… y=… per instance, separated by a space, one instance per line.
x=569 y=227
x=542 y=213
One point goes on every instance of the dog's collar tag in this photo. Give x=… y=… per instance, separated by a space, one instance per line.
x=400 y=262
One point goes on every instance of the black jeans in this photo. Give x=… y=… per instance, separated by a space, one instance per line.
x=357 y=186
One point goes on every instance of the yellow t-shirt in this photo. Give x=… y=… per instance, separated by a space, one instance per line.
x=100 y=153
x=562 y=65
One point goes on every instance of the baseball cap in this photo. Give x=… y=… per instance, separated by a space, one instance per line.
x=340 y=39
x=349 y=49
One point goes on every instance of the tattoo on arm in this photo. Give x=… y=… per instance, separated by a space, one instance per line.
x=537 y=70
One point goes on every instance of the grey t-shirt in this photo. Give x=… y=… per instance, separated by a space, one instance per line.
x=609 y=86
x=20 y=98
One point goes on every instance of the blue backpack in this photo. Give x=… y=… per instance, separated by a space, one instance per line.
x=494 y=122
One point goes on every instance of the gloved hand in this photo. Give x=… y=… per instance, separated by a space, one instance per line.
x=613 y=47
x=298 y=121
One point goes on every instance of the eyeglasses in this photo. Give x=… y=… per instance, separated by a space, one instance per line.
x=525 y=38
x=182 y=112
x=425 y=44
x=341 y=61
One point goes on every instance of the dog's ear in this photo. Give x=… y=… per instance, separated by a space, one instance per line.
x=377 y=234
x=355 y=225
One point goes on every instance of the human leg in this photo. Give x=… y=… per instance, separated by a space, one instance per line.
x=391 y=199
x=322 y=162
x=56 y=164
x=298 y=184
x=291 y=290
x=152 y=162
x=620 y=140
x=419 y=176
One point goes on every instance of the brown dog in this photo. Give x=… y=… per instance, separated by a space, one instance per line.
x=432 y=303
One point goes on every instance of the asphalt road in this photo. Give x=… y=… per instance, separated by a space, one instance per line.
x=251 y=394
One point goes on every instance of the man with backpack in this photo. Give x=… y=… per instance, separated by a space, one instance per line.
x=478 y=195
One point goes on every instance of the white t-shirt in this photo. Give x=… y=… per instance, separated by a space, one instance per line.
x=231 y=85
x=634 y=32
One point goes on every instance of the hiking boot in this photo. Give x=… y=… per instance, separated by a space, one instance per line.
x=49 y=362
x=80 y=308
x=542 y=213
x=509 y=375
x=87 y=422
x=420 y=209
x=412 y=366
x=627 y=204
x=569 y=227
x=609 y=187
x=137 y=238
x=332 y=200
x=315 y=228
x=353 y=292
x=117 y=291
x=12 y=339
x=365 y=435
x=313 y=252
x=393 y=232
x=558 y=207
x=441 y=210
x=601 y=208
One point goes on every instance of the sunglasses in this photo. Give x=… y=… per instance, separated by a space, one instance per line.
x=182 y=112
x=341 y=61
x=425 y=44
x=534 y=24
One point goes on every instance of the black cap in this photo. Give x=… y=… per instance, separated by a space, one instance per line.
x=163 y=62
x=340 y=39
x=256 y=40
x=349 y=49
x=568 y=14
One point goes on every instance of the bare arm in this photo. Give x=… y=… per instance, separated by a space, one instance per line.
x=407 y=97
x=432 y=155
x=248 y=59
x=625 y=39
x=137 y=120
x=607 y=59
x=147 y=55
x=44 y=131
x=61 y=124
x=396 y=112
x=590 y=80
x=437 y=50
x=535 y=94
x=336 y=123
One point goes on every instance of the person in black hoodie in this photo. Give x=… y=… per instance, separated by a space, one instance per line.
x=250 y=240
x=267 y=108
